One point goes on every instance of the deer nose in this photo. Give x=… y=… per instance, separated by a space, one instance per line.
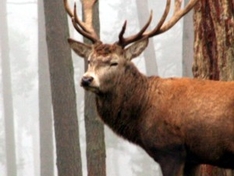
x=86 y=80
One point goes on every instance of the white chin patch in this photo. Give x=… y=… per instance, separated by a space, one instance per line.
x=96 y=81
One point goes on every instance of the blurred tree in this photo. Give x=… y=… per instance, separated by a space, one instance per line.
x=26 y=120
x=142 y=164
x=7 y=94
x=63 y=91
x=214 y=51
x=149 y=53
x=188 y=38
x=45 y=111
x=2 y=142
x=95 y=140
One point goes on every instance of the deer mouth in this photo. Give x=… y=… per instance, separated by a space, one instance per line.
x=91 y=88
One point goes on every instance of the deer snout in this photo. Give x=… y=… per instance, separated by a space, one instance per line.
x=86 y=81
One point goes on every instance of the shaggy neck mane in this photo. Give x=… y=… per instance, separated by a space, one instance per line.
x=121 y=108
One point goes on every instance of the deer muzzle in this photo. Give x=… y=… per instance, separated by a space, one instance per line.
x=86 y=81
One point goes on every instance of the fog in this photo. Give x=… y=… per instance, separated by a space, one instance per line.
x=122 y=159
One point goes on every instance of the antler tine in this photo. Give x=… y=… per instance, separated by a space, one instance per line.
x=84 y=29
x=67 y=8
x=83 y=32
x=125 y=41
x=121 y=38
x=161 y=26
x=162 y=20
x=80 y=23
x=178 y=13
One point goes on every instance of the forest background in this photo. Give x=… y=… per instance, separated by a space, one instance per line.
x=25 y=84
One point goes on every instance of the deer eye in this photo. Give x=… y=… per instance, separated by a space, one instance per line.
x=113 y=64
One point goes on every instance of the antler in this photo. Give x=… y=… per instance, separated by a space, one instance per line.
x=84 y=28
x=161 y=26
x=125 y=41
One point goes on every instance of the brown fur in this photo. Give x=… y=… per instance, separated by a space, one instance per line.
x=179 y=122
x=104 y=49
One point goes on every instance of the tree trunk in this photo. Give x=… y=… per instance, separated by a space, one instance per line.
x=63 y=91
x=188 y=38
x=7 y=94
x=95 y=139
x=149 y=53
x=214 y=40
x=95 y=144
x=45 y=111
x=214 y=50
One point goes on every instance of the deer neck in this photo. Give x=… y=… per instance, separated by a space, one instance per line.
x=121 y=108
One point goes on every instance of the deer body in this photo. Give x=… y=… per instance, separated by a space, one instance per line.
x=180 y=122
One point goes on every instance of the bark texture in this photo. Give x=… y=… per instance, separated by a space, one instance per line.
x=45 y=103
x=63 y=91
x=214 y=40
x=214 y=51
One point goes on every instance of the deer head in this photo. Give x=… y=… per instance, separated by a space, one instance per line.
x=105 y=62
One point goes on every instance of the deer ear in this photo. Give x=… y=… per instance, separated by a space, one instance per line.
x=136 y=49
x=83 y=50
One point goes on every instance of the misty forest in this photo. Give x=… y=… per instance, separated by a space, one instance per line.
x=49 y=125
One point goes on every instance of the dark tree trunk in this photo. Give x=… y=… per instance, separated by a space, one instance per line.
x=7 y=93
x=45 y=108
x=214 y=40
x=63 y=91
x=214 y=50
x=149 y=53
x=95 y=139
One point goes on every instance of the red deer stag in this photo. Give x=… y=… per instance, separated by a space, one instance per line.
x=180 y=122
